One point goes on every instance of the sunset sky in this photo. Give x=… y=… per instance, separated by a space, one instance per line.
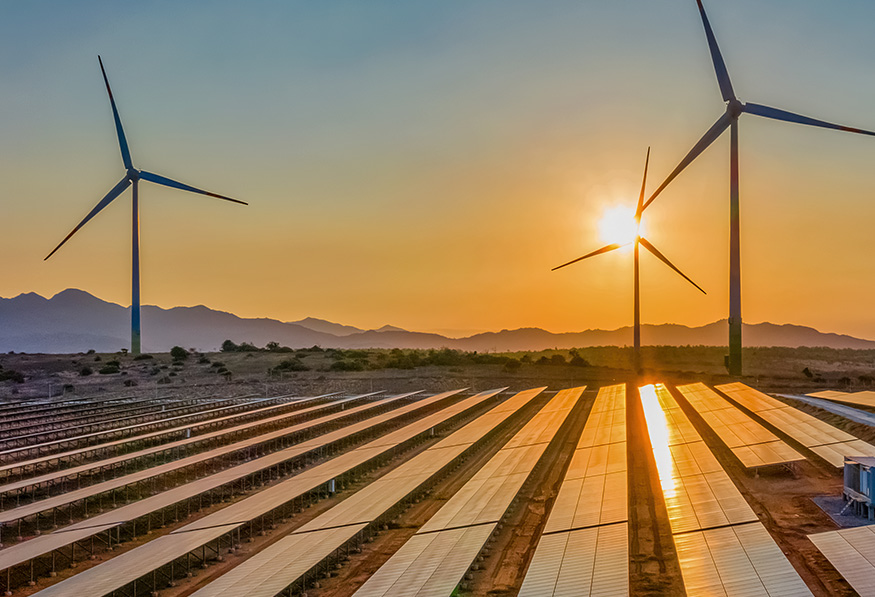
x=425 y=164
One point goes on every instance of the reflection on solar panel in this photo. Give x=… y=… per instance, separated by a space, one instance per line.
x=116 y=573
x=698 y=492
x=752 y=444
x=434 y=560
x=736 y=561
x=852 y=552
x=584 y=549
x=722 y=548
x=827 y=441
x=364 y=507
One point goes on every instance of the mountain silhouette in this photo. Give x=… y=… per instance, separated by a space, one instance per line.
x=75 y=321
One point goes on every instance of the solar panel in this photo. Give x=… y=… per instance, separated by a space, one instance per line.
x=852 y=552
x=592 y=561
x=698 y=493
x=736 y=561
x=752 y=444
x=827 y=441
x=361 y=507
x=222 y=521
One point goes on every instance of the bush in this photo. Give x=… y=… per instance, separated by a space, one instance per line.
x=577 y=360
x=68 y=388
x=129 y=383
x=291 y=365
x=143 y=357
x=217 y=364
x=178 y=353
x=115 y=364
x=11 y=375
x=108 y=370
x=203 y=361
x=86 y=371
x=512 y=365
x=228 y=346
x=347 y=366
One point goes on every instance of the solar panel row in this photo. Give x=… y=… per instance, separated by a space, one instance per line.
x=722 y=547
x=126 y=568
x=434 y=560
x=54 y=460
x=750 y=442
x=369 y=503
x=46 y=544
x=180 y=447
x=830 y=443
x=70 y=497
x=852 y=552
x=584 y=549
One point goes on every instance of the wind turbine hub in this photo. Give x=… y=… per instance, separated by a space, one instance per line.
x=133 y=174
x=735 y=108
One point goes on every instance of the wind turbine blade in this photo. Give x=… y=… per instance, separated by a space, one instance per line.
x=604 y=249
x=122 y=141
x=717 y=58
x=783 y=115
x=707 y=139
x=163 y=180
x=113 y=193
x=665 y=260
x=640 y=207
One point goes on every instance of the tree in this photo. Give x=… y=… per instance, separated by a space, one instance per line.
x=228 y=346
x=178 y=353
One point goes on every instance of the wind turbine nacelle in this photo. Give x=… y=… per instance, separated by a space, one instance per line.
x=133 y=174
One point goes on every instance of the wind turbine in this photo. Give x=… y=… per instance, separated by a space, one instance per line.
x=734 y=109
x=132 y=178
x=638 y=240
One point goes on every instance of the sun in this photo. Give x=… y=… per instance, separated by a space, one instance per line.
x=618 y=225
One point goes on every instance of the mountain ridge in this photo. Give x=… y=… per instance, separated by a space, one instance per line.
x=75 y=321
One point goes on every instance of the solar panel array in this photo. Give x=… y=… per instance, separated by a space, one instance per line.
x=829 y=442
x=366 y=505
x=721 y=546
x=585 y=543
x=78 y=495
x=434 y=560
x=125 y=569
x=852 y=552
x=46 y=544
x=750 y=442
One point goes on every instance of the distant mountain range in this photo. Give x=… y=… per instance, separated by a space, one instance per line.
x=75 y=321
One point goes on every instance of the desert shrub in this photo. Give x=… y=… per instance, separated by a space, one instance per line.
x=115 y=364
x=228 y=346
x=512 y=365
x=203 y=361
x=155 y=371
x=217 y=365
x=11 y=375
x=347 y=366
x=577 y=360
x=178 y=353
x=143 y=357
x=69 y=388
x=90 y=351
x=807 y=373
x=108 y=369
x=86 y=371
x=291 y=365
x=97 y=359
x=129 y=383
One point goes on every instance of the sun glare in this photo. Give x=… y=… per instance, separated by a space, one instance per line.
x=618 y=225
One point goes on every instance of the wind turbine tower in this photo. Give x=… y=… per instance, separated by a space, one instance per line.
x=132 y=179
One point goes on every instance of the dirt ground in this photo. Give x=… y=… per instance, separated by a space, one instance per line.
x=781 y=497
